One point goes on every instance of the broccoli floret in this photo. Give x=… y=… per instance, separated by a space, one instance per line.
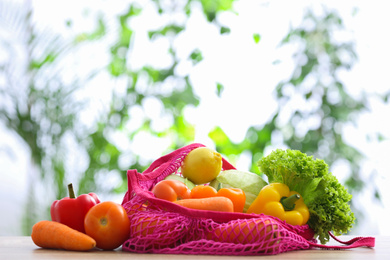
x=326 y=198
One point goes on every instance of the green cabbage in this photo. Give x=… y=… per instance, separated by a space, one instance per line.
x=249 y=182
x=326 y=198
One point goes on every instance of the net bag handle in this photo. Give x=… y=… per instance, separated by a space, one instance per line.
x=352 y=243
x=159 y=169
x=171 y=162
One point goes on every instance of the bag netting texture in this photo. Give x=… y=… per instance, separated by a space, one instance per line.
x=162 y=227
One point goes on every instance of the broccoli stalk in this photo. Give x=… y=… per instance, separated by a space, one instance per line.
x=325 y=197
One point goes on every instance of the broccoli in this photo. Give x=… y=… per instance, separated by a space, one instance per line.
x=325 y=197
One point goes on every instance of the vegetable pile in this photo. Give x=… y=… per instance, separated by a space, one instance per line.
x=299 y=190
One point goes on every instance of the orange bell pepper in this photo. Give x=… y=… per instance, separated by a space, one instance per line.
x=237 y=196
x=203 y=191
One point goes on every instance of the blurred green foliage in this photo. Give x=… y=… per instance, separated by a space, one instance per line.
x=314 y=126
x=42 y=110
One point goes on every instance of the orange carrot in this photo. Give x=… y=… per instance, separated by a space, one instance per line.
x=212 y=203
x=54 y=235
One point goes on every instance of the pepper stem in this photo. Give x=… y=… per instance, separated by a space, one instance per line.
x=71 y=191
x=289 y=202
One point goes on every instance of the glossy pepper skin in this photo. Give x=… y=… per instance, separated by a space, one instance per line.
x=277 y=200
x=71 y=211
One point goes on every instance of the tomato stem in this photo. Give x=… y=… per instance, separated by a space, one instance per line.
x=71 y=191
x=103 y=221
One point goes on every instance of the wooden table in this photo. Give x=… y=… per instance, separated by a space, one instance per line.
x=23 y=248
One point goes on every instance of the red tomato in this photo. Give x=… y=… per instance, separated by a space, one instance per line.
x=108 y=224
x=171 y=190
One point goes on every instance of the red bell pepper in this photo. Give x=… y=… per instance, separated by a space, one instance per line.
x=71 y=211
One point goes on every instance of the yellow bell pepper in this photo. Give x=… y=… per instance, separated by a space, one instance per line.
x=277 y=200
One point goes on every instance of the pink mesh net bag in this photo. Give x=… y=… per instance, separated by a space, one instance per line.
x=161 y=227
